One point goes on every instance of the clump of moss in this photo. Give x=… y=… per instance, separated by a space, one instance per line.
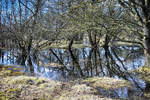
x=106 y=82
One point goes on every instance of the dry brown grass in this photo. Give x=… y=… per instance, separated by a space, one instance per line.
x=106 y=82
x=33 y=88
x=20 y=87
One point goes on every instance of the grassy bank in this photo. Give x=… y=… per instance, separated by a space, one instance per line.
x=20 y=87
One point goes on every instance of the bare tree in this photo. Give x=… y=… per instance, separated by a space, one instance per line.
x=141 y=11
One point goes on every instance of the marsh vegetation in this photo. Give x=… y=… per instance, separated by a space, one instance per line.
x=74 y=49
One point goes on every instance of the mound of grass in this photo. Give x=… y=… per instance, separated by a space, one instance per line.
x=15 y=86
x=81 y=92
x=28 y=88
x=33 y=88
x=106 y=82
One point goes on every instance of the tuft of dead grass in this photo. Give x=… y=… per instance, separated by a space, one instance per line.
x=106 y=82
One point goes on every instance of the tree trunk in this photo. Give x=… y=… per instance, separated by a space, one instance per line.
x=29 y=51
x=23 y=56
x=30 y=65
x=147 y=43
x=90 y=39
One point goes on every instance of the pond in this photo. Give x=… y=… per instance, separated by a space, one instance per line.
x=58 y=64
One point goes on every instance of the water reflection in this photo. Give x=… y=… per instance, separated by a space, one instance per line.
x=61 y=64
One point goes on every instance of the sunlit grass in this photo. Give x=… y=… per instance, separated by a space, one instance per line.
x=106 y=82
x=16 y=87
x=31 y=88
